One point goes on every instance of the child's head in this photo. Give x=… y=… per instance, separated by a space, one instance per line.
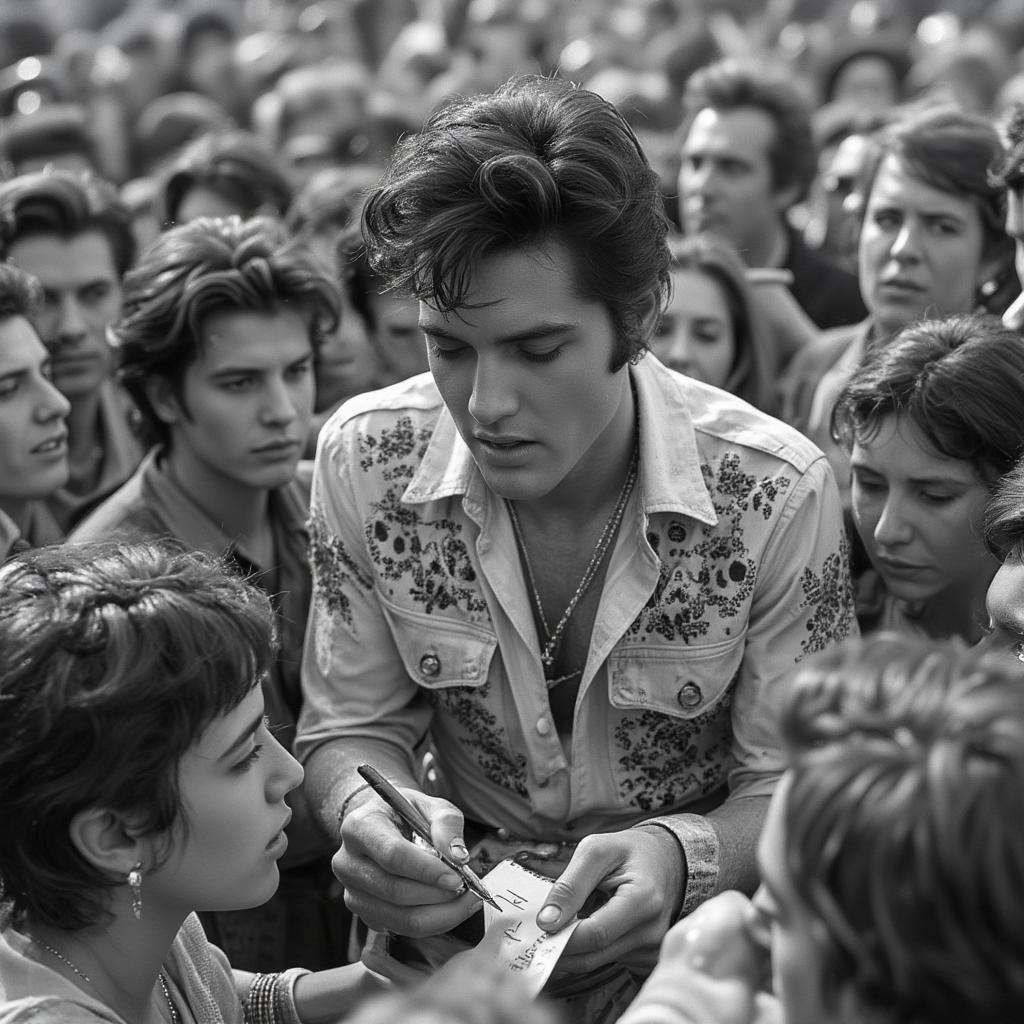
x=892 y=851
x=115 y=663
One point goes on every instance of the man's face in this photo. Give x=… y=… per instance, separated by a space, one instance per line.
x=396 y=334
x=725 y=181
x=523 y=367
x=246 y=405
x=82 y=297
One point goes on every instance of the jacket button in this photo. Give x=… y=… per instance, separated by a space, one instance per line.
x=430 y=665
x=689 y=696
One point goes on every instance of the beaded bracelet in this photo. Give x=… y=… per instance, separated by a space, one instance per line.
x=271 y=998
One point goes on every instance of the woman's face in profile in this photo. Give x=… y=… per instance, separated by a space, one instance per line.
x=696 y=335
x=920 y=251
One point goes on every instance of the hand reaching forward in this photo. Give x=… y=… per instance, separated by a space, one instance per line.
x=642 y=870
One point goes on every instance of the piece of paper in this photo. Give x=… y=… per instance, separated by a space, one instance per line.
x=526 y=949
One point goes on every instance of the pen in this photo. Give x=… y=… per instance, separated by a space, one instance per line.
x=419 y=824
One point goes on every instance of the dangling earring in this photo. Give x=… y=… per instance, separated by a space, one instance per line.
x=135 y=884
x=989 y=288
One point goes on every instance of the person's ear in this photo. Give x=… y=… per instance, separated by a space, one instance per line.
x=162 y=398
x=648 y=313
x=990 y=271
x=107 y=840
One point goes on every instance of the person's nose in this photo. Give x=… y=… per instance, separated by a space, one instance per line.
x=279 y=406
x=698 y=176
x=894 y=526
x=70 y=324
x=52 y=405
x=493 y=396
x=678 y=350
x=1015 y=213
x=906 y=246
x=285 y=773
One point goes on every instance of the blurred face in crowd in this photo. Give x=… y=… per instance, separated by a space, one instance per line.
x=396 y=334
x=920 y=251
x=82 y=297
x=726 y=184
x=695 y=335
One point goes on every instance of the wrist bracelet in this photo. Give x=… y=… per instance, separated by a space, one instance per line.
x=344 y=807
x=271 y=998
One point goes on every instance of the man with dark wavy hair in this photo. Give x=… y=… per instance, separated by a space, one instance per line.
x=221 y=324
x=567 y=568
x=71 y=232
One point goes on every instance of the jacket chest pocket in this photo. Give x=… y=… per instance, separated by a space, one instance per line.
x=440 y=652
x=679 y=681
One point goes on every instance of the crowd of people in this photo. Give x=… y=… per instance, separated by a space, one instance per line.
x=602 y=418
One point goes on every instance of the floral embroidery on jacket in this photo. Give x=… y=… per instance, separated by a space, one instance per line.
x=394 y=444
x=430 y=559
x=468 y=708
x=335 y=572
x=666 y=759
x=714 y=573
x=830 y=599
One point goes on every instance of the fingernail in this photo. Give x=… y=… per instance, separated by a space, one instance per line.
x=549 y=916
x=450 y=880
x=458 y=848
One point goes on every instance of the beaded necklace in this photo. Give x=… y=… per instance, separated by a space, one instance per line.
x=175 y=1018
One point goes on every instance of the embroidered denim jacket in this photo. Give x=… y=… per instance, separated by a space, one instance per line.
x=730 y=567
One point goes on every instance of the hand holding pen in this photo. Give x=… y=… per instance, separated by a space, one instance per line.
x=415 y=820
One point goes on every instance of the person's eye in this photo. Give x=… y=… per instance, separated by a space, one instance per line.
x=708 y=334
x=542 y=357
x=236 y=383
x=938 y=497
x=250 y=759
x=299 y=371
x=95 y=293
x=8 y=387
x=886 y=219
x=444 y=353
x=868 y=486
